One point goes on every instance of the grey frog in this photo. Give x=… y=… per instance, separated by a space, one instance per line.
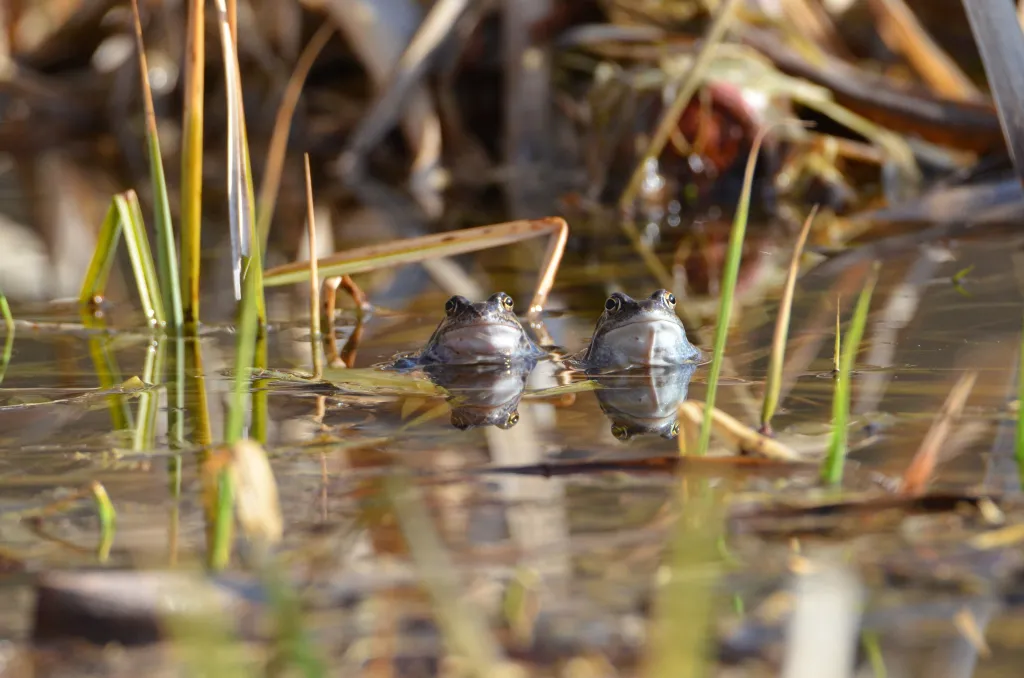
x=486 y=332
x=644 y=333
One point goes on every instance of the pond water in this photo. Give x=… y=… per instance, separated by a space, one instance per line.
x=579 y=497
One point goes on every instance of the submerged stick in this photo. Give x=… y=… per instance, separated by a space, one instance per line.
x=773 y=383
x=922 y=466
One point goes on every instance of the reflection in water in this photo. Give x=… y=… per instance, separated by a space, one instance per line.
x=641 y=402
x=483 y=395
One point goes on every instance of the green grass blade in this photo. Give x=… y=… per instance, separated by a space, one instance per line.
x=773 y=382
x=108 y=520
x=728 y=290
x=96 y=276
x=1020 y=411
x=167 y=256
x=141 y=256
x=224 y=523
x=5 y=311
x=149 y=400
x=832 y=468
x=192 y=160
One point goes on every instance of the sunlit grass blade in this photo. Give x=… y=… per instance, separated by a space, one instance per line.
x=773 y=382
x=730 y=273
x=5 y=312
x=832 y=468
x=124 y=217
x=167 y=255
x=238 y=195
x=108 y=520
x=271 y=182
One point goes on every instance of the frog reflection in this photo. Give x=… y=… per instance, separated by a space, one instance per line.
x=644 y=402
x=483 y=395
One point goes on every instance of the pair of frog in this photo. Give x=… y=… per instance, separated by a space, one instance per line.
x=630 y=333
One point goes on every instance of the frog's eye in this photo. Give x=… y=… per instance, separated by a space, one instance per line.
x=507 y=303
x=620 y=432
x=613 y=304
x=671 y=299
x=674 y=431
x=451 y=305
x=512 y=420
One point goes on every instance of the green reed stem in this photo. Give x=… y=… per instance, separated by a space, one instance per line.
x=192 y=160
x=773 y=382
x=108 y=520
x=681 y=630
x=167 y=256
x=832 y=468
x=149 y=400
x=729 y=276
x=224 y=522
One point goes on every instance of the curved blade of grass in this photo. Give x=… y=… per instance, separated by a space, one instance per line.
x=108 y=520
x=124 y=217
x=832 y=468
x=729 y=276
x=239 y=206
x=282 y=126
x=167 y=255
x=5 y=311
x=192 y=160
x=773 y=383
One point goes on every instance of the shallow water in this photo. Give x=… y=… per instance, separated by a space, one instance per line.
x=592 y=536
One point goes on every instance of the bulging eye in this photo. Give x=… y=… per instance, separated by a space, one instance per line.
x=612 y=305
x=507 y=302
x=671 y=299
x=620 y=432
x=512 y=420
x=451 y=305
x=674 y=431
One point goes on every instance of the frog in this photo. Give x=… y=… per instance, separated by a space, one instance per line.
x=481 y=333
x=638 y=333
